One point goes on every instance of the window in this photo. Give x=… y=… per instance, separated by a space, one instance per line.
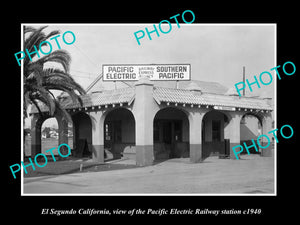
x=107 y=131
x=113 y=131
x=216 y=130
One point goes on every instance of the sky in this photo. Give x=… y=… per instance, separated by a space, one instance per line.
x=216 y=52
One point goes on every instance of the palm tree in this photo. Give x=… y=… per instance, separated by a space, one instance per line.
x=39 y=81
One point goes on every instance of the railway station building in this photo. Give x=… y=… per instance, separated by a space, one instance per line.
x=153 y=122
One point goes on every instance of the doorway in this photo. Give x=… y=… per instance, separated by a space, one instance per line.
x=171 y=134
x=213 y=141
x=119 y=133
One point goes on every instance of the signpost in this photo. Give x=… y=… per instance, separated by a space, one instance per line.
x=133 y=72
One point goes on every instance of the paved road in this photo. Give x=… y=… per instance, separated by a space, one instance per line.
x=252 y=175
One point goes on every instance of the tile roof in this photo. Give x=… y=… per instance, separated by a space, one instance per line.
x=163 y=94
x=117 y=96
x=107 y=97
x=205 y=86
x=192 y=97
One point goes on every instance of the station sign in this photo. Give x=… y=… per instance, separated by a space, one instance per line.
x=133 y=72
x=226 y=108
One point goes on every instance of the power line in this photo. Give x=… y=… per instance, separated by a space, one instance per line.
x=82 y=77
x=84 y=72
x=89 y=75
x=89 y=59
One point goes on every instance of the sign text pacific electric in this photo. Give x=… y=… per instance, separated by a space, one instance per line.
x=154 y=72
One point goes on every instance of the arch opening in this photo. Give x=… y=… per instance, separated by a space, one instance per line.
x=82 y=135
x=49 y=135
x=214 y=137
x=250 y=128
x=119 y=134
x=170 y=134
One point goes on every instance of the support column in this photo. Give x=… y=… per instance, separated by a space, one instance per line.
x=36 y=125
x=97 y=136
x=232 y=131
x=62 y=134
x=267 y=127
x=195 y=120
x=143 y=110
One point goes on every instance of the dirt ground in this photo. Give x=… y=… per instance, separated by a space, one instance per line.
x=252 y=174
x=47 y=143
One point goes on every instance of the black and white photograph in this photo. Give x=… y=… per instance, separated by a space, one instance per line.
x=134 y=112
x=188 y=112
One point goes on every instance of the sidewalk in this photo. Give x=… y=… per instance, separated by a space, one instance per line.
x=75 y=165
x=252 y=174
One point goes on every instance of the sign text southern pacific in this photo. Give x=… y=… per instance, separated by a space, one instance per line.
x=115 y=72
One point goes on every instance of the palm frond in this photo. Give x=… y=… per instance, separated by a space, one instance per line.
x=59 y=82
x=42 y=94
x=33 y=100
x=75 y=98
x=58 y=77
x=37 y=36
x=59 y=56
x=34 y=74
x=38 y=82
x=59 y=109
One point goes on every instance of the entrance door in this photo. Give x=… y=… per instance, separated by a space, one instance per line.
x=112 y=133
x=216 y=130
x=168 y=137
x=171 y=135
x=167 y=132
